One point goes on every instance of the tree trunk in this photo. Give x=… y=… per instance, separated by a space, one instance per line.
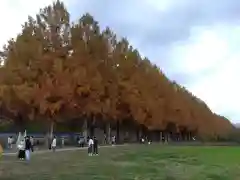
x=46 y=139
x=139 y=133
x=51 y=129
x=189 y=136
x=92 y=126
x=161 y=136
x=49 y=133
x=168 y=135
x=85 y=129
x=108 y=132
x=118 y=132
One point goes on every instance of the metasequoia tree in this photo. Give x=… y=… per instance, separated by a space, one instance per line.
x=38 y=56
x=60 y=70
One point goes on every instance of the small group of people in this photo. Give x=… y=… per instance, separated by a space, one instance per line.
x=112 y=140
x=25 y=146
x=145 y=139
x=92 y=146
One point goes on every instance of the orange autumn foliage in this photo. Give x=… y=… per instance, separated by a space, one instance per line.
x=58 y=69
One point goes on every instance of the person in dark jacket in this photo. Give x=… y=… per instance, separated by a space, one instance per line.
x=95 y=146
x=32 y=143
x=28 y=147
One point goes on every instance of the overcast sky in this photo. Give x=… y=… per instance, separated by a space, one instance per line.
x=195 y=42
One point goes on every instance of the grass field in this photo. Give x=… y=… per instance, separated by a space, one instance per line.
x=136 y=162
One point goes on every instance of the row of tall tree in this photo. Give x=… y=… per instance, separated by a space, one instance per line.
x=58 y=70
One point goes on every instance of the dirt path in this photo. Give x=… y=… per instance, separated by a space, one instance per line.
x=62 y=149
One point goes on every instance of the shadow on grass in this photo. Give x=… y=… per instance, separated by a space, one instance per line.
x=217 y=177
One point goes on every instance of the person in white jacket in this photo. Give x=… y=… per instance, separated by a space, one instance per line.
x=54 y=144
x=90 y=146
x=21 y=150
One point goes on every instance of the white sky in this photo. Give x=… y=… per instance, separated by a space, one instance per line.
x=210 y=57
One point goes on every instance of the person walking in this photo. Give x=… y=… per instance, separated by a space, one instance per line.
x=28 y=147
x=21 y=150
x=105 y=139
x=10 y=141
x=90 y=146
x=82 y=142
x=95 y=146
x=54 y=144
x=32 y=143
x=113 y=140
x=62 y=142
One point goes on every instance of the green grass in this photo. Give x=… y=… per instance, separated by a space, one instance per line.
x=136 y=162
